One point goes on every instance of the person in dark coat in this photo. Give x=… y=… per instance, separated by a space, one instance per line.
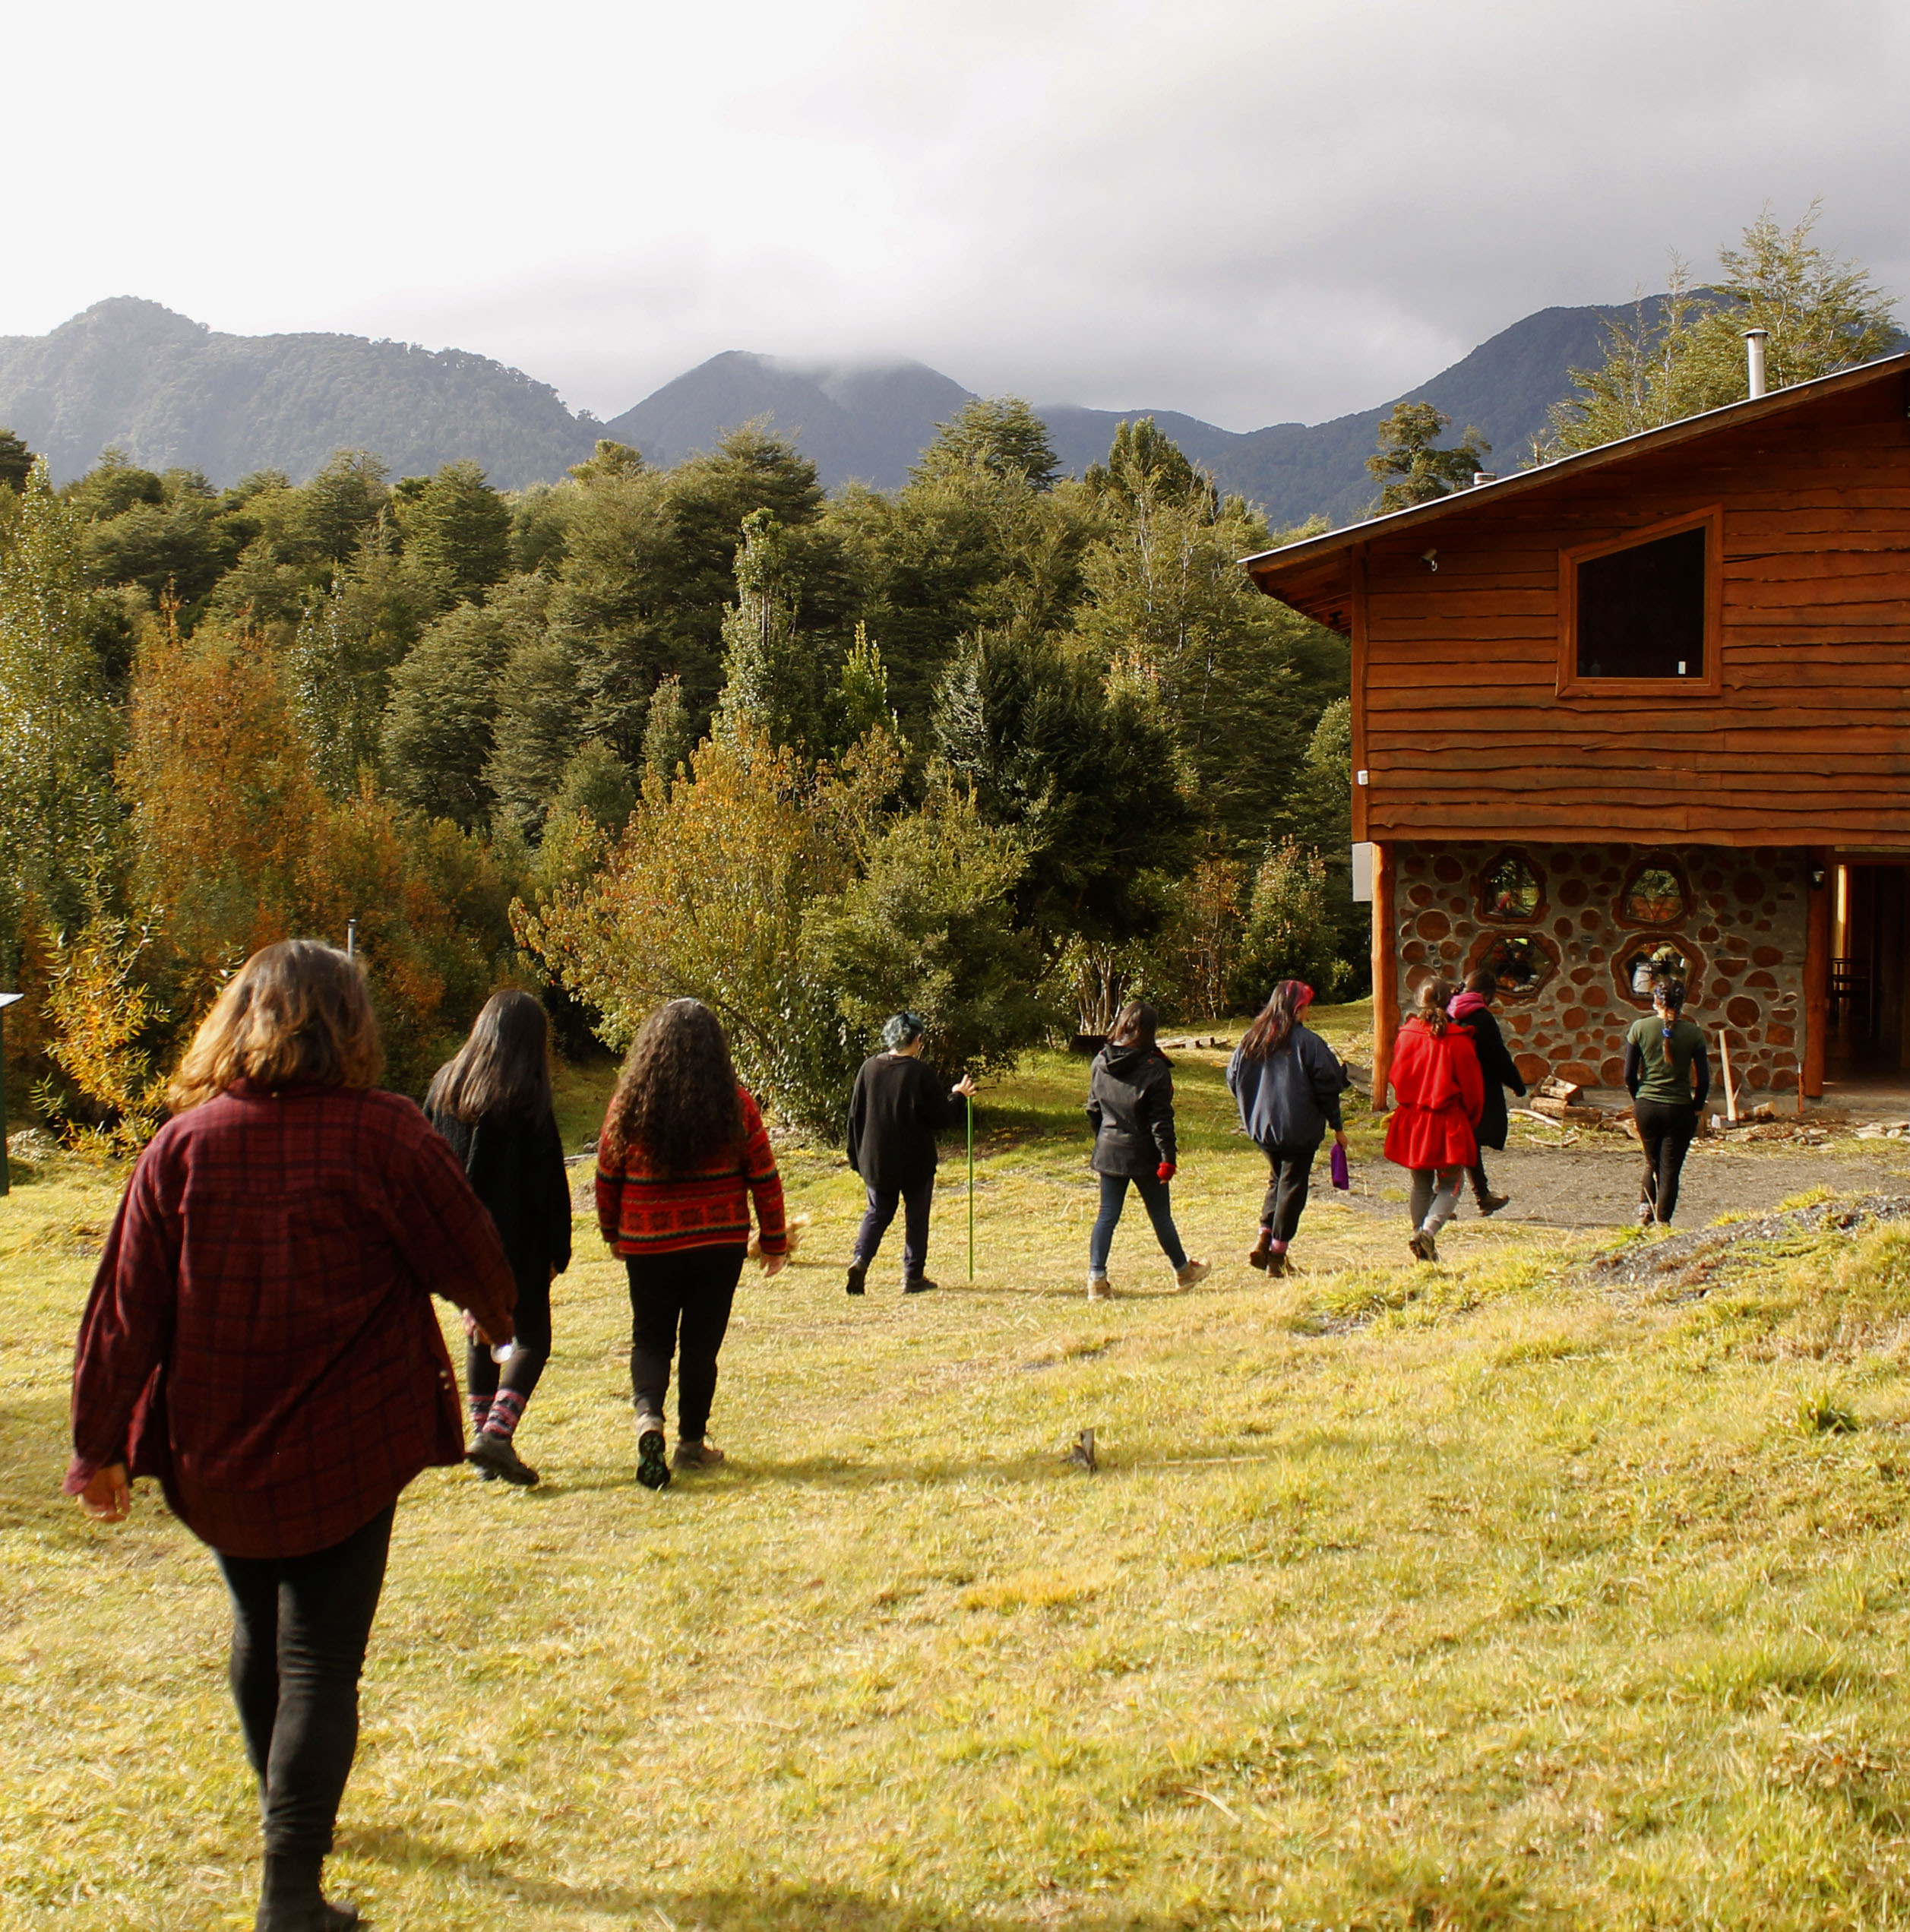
x=260 y=1337
x=493 y=1102
x=1472 y=1008
x=898 y=1106
x=1131 y=1107
x=1287 y=1082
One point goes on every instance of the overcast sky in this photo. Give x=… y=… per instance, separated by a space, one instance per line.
x=1252 y=211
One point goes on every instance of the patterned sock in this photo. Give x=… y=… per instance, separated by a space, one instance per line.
x=506 y=1413
x=480 y=1408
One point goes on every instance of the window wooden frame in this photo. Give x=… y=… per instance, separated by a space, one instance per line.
x=1711 y=521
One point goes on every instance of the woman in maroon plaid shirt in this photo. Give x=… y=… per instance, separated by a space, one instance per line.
x=260 y=1337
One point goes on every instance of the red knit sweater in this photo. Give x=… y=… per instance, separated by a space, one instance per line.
x=644 y=1212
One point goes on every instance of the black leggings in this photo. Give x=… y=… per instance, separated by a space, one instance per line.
x=1664 y=1132
x=679 y=1305
x=520 y=1374
x=1289 y=1175
x=299 y=1628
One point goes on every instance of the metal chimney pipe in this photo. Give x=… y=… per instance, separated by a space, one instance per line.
x=1754 y=342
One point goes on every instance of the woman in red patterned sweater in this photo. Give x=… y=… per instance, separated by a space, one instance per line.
x=683 y=1152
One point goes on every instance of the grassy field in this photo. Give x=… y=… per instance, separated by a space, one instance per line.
x=1479 y=1595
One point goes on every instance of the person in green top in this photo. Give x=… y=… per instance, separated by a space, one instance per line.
x=1668 y=1076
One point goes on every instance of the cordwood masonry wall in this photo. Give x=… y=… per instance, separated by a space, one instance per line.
x=1741 y=930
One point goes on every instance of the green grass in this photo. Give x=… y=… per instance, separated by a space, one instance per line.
x=1472 y=1596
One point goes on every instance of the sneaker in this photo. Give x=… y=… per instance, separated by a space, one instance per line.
x=1100 y=1289
x=1645 y=1214
x=696 y=1456
x=1261 y=1254
x=858 y=1274
x=922 y=1284
x=652 y=1467
x=498 y=1456
x=1194 y=1271
x=1490 y=1204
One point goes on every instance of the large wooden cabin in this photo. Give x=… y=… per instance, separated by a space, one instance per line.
x=1644 y=709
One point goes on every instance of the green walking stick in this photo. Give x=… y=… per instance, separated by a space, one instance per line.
x=971 y=1186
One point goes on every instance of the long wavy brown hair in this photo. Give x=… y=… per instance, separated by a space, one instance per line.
x=676 y=1099
x=295 y=1014
x=502 y=1069
x=1273 y=1024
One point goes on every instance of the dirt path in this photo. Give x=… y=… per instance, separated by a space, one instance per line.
x=1597 y=1187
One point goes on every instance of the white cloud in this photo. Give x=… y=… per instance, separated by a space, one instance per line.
x=1252 y=209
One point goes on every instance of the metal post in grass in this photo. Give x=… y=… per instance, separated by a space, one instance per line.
x=6 y=1000
x=971 y=1186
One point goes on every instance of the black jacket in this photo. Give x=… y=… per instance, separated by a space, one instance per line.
x=1131 y=1106
x=1495 y=1062
x=516 y=1168
x=898 y=1107
x=1290 y=1098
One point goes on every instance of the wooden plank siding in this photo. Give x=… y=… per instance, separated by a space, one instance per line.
x=1459 y=720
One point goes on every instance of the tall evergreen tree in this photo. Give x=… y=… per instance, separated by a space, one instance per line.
x=1411 y=465
x=457 y=529
x=999 y=434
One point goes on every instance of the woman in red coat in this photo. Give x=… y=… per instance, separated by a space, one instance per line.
x=1441 y=1093
x=260 y=1337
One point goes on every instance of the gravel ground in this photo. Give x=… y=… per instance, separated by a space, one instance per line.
x=1596 y=1186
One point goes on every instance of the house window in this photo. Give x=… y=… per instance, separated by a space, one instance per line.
x=1510 y=888
x=1520 y=963
x=1648 y=967
x=1655 y=897
x=1641 y=612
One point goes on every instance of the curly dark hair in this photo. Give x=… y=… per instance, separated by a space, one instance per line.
x=676 y=1099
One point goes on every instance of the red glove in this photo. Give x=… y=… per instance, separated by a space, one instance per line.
x=1165 y=1171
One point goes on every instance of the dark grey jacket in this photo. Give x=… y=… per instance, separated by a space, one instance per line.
x=1131 y=1107
x=1290 y=1099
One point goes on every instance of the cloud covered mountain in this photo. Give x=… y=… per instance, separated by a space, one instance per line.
x=168 y=390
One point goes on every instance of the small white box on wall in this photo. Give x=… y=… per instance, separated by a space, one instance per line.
x=1363 y=873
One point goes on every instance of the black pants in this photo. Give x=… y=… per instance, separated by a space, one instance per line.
x=520 y=1374
x=1482 y=1188
x=1665 y=1131
x=679 y=1305
x=915 y=1200
x=299 y=1628
x=1289 y=1175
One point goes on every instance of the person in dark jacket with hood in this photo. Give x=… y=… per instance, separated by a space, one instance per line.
x=897 y=1108
x=1131 y=1107
x=1287 y=1082
x=492 y=1100
x=1472 y=1008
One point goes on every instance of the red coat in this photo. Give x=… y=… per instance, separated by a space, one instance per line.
x=260 y=1335
x=1441 y=1094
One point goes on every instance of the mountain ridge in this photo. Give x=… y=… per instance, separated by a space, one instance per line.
x=170 y=391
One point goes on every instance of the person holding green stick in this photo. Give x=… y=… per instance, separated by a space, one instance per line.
x=898 y=1107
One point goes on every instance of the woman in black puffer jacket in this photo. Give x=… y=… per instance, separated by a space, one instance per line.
x=1131 y=1106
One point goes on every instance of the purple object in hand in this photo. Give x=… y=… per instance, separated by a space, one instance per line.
x=1342 y=1179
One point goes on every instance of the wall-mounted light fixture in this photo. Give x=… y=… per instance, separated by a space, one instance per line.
x=1818 y=875
x=1431 y=559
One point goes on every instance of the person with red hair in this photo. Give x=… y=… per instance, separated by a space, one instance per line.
x=1287 y=1082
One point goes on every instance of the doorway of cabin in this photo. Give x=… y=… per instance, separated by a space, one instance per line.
x=1870 y=931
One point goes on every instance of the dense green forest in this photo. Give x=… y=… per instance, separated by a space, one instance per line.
x=998 y=746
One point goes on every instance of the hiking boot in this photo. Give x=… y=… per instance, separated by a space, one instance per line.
x=498 y=1455
x=290 y=1900
x=1646 y=1214
x=1276 y=1265
x=922 y=1284
x=483 y=1474
x=1192 y=1273
x=1490 y=1203
x=1100 y=1289
x=858 y=1274
x=1261 y=1253
x=323 y=1917
x=652 y=1465
x=696 y=1456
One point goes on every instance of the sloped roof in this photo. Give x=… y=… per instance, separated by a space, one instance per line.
x=1265 y=566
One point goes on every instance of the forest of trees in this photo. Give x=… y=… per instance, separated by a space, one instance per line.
x=997 y=746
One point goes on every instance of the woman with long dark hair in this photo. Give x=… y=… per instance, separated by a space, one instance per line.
x=261 y=1338
x=1131 y=1107
x=493 y=1102
x=1668 y=1075
x=1287 y=1082
x=1441 y=1093
x=683 y=1155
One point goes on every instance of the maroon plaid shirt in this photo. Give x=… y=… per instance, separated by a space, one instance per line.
x=260 y=1335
